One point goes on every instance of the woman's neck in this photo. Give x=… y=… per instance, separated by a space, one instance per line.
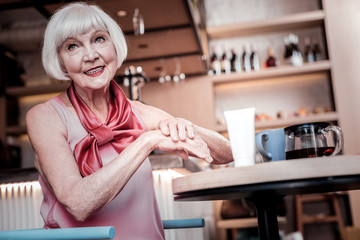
x=97 y=100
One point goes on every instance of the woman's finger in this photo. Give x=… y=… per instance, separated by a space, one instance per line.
x=182 y=131
x=198 y=148
x=183 y=154
x=190 y=131
x=173 y=131
x=164 y=128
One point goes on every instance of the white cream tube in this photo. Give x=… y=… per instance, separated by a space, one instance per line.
x=241 y=129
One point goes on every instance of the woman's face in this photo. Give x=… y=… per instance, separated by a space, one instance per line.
x=90 y=59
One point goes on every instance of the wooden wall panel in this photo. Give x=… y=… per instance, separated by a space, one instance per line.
x=342 y=20
x=191 y=99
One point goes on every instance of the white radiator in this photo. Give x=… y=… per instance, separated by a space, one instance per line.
x=169 y=209
x=20 y=206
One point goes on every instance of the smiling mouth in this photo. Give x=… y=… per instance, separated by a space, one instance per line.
x=94 y=71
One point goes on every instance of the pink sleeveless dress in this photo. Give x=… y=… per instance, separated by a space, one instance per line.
x=133 y=213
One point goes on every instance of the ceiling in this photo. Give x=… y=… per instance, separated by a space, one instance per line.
x=171 y=43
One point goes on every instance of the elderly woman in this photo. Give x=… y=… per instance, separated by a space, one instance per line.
x=91 y=143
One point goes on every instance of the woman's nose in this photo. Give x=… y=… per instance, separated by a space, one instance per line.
x=90 y=54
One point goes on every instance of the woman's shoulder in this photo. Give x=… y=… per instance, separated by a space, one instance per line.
x=45 y=109
x=41 y=110
x=42 y=114
x=44 y=124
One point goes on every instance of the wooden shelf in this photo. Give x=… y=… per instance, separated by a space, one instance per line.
x=238 y=223
x=16 y=130
x=323 y=117
x=36 y=90
x=288 y=22
x=321 y=218
x=321 y=197
x=280 y=71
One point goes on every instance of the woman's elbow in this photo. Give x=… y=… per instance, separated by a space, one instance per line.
x=79 y=210
x=79 y=214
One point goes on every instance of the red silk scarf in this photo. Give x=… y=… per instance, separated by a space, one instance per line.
x=120 y=129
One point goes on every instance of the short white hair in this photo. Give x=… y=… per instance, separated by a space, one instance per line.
x=72 y=20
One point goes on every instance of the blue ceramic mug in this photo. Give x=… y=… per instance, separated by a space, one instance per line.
x=271 y=144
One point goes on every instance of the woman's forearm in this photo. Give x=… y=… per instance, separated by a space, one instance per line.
x=219 y=146
x=92 y=193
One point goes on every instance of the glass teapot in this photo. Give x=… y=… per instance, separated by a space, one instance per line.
x=313 y=140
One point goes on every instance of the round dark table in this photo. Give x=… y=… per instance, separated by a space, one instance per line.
x=264 y=184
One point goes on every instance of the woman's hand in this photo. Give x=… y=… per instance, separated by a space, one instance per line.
x=177 y=129
x=182 y=133
x=195 y=147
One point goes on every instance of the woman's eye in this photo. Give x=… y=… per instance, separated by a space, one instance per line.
x=100 y=39
x=71 y=46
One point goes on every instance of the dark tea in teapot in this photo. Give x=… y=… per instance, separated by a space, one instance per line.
x=310 y=152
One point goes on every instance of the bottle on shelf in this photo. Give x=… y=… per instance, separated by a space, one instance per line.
x=297 y=59
x=308 y=52
x=215 y=62
x=271 y=61
x=254 y=59
x=245 y=59
x=138 y=23
x=235 y=62
x=288 y=51
x=225 y=62
x=317 y=51
x=293 y=55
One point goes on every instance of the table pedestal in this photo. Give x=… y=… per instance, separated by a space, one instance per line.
x=267 y=216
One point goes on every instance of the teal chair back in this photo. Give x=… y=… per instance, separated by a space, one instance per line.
x=83 y=233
